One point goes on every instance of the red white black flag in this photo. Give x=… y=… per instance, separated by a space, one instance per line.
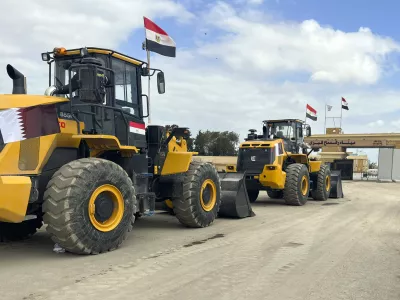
x=157 y=40
x=138 y=128
x=311 y=113
x=17 y=124
x=344 y=104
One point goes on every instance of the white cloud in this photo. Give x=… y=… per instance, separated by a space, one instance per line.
x=30 y=27
x=226 y=86
x=378 y=123
x=223 y=84
x=247 y=2
x=200 y=95
x=324 y=54
x=256 y=2
x=396 y=124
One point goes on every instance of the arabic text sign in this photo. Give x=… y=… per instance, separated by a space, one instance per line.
x=335 y=142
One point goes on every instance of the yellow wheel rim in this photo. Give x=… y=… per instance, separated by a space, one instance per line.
x=208 y=195
x=328 y=183
x=169 y=203
x=106 y=208
x=304 y=185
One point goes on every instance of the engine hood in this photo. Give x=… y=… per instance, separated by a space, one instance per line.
x=8 y=101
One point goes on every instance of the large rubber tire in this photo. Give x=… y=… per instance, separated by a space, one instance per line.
x=275 y=194
x=323 y=184
x=297 y=178
x=253 y=195
x=66 y=206
x=12 y=232
x=188 y=208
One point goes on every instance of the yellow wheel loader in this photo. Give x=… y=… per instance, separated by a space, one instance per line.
x=81 y=160
x=277 y=162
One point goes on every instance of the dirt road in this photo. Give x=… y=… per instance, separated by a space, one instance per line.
x=339 y=249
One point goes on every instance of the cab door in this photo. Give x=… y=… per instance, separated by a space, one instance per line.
x=129 y=124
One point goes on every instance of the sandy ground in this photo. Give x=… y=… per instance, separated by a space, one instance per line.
x=340 y=249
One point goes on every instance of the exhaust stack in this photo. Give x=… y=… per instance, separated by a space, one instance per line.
x=19 y=80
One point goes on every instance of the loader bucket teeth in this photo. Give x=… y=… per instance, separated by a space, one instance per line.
x=235 y=201
x=336 y=182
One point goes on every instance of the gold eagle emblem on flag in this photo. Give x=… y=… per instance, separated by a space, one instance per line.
x=158 y=38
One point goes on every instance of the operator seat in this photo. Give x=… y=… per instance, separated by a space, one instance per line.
x=279 y=134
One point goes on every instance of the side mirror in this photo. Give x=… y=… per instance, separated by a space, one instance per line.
x=308 y=131
x=293 y=139
x=128 y=110
x=160 y=82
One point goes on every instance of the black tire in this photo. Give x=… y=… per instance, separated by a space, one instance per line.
x=12 y=232
x=188 y=208
x=253 y=195
x=275 y=194
x=293 y=193
x=323 y=184
x=66 y=206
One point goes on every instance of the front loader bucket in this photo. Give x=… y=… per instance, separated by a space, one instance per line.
x=235 y=201
x=336 y=182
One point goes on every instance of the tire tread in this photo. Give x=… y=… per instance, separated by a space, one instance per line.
x=61 y=199
x=186 y=207
x=291 y=190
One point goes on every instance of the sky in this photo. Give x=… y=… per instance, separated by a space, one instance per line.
x=238 y=62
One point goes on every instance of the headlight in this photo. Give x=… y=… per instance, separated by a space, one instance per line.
x=45 y=56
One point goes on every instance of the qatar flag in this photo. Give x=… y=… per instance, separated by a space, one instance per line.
x=17 y=124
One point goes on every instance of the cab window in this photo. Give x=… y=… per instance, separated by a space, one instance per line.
x=61 y=66
x=299 y=131
x=278 y=149
x=127 y=85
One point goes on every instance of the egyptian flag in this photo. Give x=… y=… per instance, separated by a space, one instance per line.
x=138 y=128
x=17 y=124
x=311 y=113
x=157 y=40
x=344 y=104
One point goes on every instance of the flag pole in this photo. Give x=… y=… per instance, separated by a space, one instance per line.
x=341 y=115
x=148 y=92
x=325 y=121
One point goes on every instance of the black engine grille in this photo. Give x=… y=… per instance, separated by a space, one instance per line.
x=252 y=160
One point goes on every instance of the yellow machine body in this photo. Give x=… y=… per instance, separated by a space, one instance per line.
x=21 y=160
x=272 y=174
x=82 y=160
x=277 y=161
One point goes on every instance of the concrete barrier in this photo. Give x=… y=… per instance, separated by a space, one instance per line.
x=396 y=165
x=219 y=162
x=389 y=165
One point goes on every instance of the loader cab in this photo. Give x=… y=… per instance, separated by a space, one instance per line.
x=289 y=130
x=105 y=91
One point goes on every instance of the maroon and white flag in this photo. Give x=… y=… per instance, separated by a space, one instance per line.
x=311 y=113
x=157 y=40
x=17 y=124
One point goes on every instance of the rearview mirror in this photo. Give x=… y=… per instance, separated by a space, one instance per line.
x=160 y=82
